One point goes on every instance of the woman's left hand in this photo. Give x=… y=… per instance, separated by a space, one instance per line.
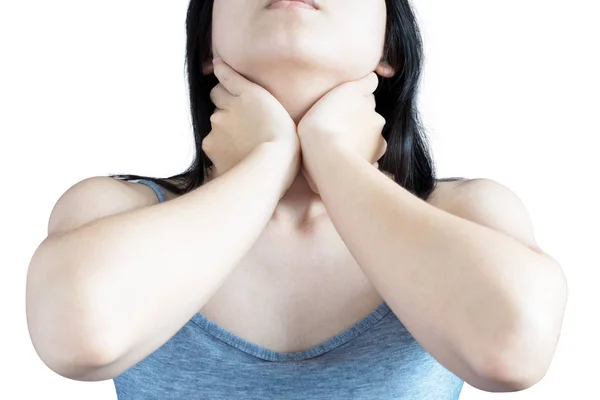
x=343 y=120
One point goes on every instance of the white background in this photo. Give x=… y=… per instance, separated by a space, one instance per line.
x=510 y=93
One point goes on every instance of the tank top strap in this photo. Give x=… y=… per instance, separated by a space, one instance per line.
x=160 y=193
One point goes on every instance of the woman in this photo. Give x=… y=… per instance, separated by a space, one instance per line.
x=308 y=252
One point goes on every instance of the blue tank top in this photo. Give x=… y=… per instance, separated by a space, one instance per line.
x=376 y=359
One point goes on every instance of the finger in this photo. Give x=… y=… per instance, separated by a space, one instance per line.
x=372 y=101
x=382 y=149
x=230 y=78
x=207 y=69
x=369 y=83
x=220 y=97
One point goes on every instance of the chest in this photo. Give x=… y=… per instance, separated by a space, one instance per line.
x=292 y=291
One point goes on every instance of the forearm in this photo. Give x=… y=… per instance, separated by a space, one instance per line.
x=470 y=295
x=126 y=283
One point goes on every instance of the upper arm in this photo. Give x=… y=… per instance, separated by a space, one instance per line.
x=494 y=205
x=94 y=198
x=86 y=201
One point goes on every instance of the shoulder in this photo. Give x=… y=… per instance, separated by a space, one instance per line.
x=491 y=204
x=149 y=193
x=93 y=198
x=97 y=189
x=443 y=192
x=482 y=194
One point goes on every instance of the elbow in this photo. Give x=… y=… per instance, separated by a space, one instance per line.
x=68 y=330
x=84 y=359
x=502 y=372
x=524 y=356
x=521 y=356
x=75 y=343
x=89 y=364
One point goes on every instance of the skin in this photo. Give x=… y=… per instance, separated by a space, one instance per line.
x=299 y=56
x=463 y=271
x=465 y=279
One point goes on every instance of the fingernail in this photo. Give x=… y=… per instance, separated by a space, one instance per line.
x=216 y=60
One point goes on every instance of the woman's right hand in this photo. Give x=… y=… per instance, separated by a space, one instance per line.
x=247 y=116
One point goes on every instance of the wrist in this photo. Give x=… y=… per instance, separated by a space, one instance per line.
x=280 y=160
x=276 y=152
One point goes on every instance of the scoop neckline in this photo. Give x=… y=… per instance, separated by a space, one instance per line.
x=261 y=352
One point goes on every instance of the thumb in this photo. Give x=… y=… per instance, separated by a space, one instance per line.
x=369 y=83
x=229 y=78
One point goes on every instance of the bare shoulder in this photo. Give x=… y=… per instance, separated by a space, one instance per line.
x=444 y=193
x=93 y=198
x=493 y=204
x=149 y=193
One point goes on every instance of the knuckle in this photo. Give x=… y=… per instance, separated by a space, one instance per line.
x=222 y=73
x=371 y=102
x=206 y=143
x=383 y=150
x=374 y=78
x=219 y=72
x=215 y=118
x=244 y=96
x=248 y=96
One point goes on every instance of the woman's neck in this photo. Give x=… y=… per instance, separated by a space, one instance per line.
x=296 y=89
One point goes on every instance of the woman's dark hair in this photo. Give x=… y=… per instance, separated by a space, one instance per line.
x=408 y=157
